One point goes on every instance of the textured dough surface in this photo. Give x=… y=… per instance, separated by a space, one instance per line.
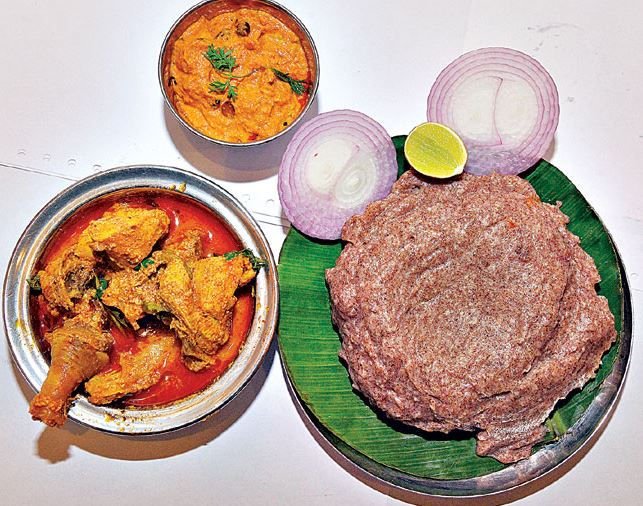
x=468 y=305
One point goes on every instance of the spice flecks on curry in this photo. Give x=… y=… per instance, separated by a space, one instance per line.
x=142 y=300
x=238 y=77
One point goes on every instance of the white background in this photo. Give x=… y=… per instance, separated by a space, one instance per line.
x=79 y=93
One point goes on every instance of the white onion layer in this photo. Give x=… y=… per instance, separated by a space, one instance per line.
x=502 y=103
x=334 y=166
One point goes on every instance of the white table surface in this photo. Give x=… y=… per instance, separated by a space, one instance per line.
x=79 y=93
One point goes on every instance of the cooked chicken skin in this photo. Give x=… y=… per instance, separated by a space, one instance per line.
x=67 y=276
x=78 y=351
x=127 y=234
x=134 y=294
x=200 y=296
x=216 y=279
x=189 y=248
x=138 y=370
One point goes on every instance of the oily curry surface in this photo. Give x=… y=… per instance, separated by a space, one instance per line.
x=240 y=97
x=143 y=298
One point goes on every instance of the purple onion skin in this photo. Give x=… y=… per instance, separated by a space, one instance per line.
x=482 y=158
x=318 y=215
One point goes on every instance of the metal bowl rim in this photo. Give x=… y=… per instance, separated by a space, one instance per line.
x=302 y=113
x=12 y=302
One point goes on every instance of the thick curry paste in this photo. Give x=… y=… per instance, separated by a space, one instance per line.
x=262 y=105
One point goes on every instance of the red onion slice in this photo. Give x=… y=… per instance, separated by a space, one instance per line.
x=334 y=166
x=502 y=103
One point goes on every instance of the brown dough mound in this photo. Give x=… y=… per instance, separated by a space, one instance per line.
x=468 y=305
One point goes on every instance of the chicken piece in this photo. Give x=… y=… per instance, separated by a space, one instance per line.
x=201 y=298
x=134 y=294
x=138 y=370
x=127 y=234
x=66 y=277
x=215 y=280
x=78 y=351
x=189 y=248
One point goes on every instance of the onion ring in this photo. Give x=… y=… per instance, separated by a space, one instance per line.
x=334 y=166
x=502 y=103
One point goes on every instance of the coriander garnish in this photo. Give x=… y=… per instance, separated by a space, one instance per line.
x=220 y=58
x=224 y=62
x=224 y=86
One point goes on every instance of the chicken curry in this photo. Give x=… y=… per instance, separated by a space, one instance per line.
x=240 y=76
x=142 y=298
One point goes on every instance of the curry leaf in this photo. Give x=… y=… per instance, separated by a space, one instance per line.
x=34 y=284
x=298 y=86
x=117 y=317
x=224 y=62
x=257 y=262
x=101 y=285
x=154 y=307
x=144 y=263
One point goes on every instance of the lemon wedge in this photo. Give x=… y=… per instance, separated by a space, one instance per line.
x=435 y=150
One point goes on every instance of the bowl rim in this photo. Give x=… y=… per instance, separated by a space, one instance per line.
x=312 y=91
x=190 y=409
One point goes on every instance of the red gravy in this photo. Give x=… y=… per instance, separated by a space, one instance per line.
x=177 y=381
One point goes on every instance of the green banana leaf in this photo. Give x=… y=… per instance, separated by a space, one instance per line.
x=309 y=344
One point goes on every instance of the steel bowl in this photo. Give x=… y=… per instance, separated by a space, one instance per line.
x=131 y=420
x=211 y=8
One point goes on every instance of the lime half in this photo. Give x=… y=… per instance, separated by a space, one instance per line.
x=435 y=150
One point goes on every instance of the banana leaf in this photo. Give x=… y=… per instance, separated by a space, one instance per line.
x=309 y=344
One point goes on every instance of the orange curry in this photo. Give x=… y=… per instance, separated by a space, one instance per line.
x=140 y=300
x=246 y=95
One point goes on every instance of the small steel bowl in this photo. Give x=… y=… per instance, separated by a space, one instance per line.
x=211 y=8
x=130 y=420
